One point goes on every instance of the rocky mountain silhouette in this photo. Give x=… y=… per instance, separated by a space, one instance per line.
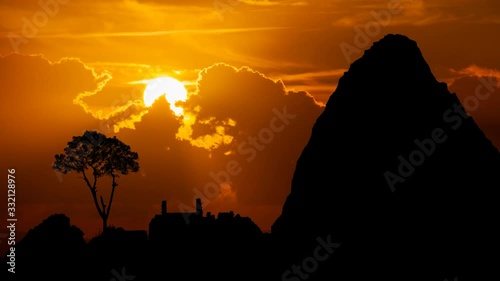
x=397 y=178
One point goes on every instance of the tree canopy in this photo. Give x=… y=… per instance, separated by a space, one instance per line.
x=94 y=155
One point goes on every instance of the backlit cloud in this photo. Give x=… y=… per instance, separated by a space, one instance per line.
x=474 y=70
x=234 y=111
x=239 y=105
x=38 y=116
x=478 y=88
x=226 y=102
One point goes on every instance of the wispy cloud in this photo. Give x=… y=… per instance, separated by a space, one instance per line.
x=260 y=62
x=412 y=13
x=161 y=32
x=478 y=71
x=311 y=76
x=274 y=3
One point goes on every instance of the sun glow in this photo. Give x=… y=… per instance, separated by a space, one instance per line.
x=173 y=90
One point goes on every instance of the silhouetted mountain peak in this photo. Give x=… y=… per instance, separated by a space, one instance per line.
x=392 y=48
x=390 y=116
x=394 y=62
x=392 y=54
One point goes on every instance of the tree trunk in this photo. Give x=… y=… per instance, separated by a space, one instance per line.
x=104 y=223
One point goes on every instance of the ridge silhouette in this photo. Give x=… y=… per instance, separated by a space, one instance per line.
x=396 y=183
x=397 y=174
x=53 y=249
x=203 y=246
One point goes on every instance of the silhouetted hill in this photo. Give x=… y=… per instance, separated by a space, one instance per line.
x=53 y=250
x=117 y=248
x=431 y=220
x=226 y=247
x=4 y=246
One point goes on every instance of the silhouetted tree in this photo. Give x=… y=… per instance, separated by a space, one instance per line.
x=94 y=155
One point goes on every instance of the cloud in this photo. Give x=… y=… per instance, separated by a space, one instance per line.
x=317 y=83
x=477 y=71
x=224 y=94
x=244 y=105
x=478 y=89
x=310 y=76
x=39 y=92
x=38 y=116
x=274 y=3
x=118 y=105
x=265 y=124
x=400 y=12
x=163 y=32
x=203 y=3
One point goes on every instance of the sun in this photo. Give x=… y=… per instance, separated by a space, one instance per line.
x=173 y=90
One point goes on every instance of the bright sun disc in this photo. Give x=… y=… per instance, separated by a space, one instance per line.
x=173 y=90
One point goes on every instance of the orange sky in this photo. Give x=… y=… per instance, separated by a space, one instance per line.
x=68 y=65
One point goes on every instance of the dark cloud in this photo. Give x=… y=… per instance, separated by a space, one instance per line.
x=176 y=170
x=480 y=96
x=38 y=116
x=39 y=94
x=271 y=126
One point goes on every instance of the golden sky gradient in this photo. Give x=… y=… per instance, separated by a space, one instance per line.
x=70 y=65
